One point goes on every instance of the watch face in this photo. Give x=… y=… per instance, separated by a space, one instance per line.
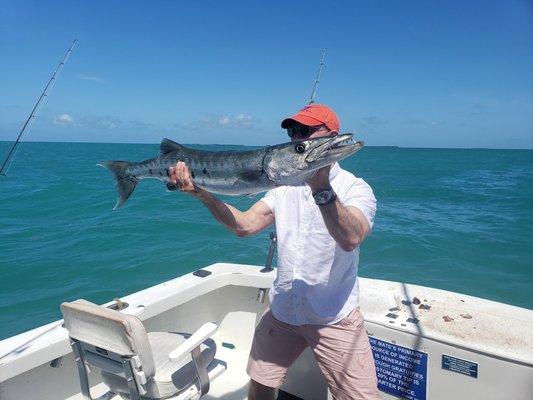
x=323 y=196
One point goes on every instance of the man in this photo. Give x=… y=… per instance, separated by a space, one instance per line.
x=315 y=298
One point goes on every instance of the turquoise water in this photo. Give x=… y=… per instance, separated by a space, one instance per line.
x=460 y=220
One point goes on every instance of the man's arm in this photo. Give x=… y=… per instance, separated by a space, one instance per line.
x=347 y=225
x=258 y=217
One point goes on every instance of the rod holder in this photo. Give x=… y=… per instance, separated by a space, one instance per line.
x=273 y=241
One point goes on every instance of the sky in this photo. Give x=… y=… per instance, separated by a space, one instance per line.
x=410 y=74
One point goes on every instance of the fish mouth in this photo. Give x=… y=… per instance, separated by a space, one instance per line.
x=335 y=149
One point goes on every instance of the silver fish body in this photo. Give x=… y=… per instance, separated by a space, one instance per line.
x=235 y=172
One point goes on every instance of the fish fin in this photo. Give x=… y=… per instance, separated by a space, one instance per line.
x=124 y=182
x=171 y=187
x=168 y=145
x=250 y=176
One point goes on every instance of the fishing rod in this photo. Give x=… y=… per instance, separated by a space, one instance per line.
x=7 y=164
x=317 y=79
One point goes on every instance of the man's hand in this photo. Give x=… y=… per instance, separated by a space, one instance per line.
x=320 y=180
x=181 y=177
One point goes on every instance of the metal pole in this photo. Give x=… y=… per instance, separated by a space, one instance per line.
x=268 y=264
x=317 y=79
x=33 y=114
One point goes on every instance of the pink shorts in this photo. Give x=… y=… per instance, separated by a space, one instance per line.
x=342 y=351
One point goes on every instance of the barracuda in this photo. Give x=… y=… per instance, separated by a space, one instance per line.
x=235 y=172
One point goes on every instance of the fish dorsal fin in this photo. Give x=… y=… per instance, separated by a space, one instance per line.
x=168 y=145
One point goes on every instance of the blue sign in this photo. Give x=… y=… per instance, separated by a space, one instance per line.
x=401 y=372
x=461 y=366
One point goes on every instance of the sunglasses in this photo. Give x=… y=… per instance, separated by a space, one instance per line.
x=304 y=130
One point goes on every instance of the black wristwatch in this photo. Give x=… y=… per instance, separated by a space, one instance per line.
x=324 y=196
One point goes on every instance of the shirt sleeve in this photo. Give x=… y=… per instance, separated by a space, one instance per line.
x=359 y=194
x=269 y=198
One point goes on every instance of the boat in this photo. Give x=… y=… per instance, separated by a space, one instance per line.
x=427 y=343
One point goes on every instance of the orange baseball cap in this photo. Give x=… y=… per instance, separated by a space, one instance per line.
x=312 y=115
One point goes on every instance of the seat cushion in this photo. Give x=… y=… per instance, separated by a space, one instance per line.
x=170 y=377
x=119 y=333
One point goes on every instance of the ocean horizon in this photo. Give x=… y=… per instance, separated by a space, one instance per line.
x=262 y=145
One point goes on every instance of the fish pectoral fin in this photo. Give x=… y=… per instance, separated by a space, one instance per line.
x=168 y=145
x=250 y=176
x=171 y=187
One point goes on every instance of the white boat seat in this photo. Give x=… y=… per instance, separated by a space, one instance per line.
x=135 y=364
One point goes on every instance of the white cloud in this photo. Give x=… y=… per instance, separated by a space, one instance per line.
x=63 y=119
x=239 y=120
x=244 y=120
x=110 y=122
x=225 y=120
x=91 y=122
x=214 y=121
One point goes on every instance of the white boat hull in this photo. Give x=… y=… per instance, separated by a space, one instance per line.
x=486 y=345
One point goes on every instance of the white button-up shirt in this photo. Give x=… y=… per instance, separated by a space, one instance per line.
x=316 y=279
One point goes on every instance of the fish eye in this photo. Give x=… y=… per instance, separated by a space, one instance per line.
x=299 y=148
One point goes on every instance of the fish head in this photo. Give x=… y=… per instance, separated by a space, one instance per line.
x=294 y=162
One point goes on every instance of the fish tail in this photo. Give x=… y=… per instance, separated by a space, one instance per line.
x=125 y=182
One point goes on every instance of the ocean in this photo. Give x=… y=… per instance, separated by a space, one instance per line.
x=454 y=219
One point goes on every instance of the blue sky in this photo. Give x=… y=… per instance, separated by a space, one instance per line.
x=414 y=74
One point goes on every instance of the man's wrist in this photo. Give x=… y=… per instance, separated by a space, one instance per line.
x=324 y=196
x=199 y=193
x=318 y=188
